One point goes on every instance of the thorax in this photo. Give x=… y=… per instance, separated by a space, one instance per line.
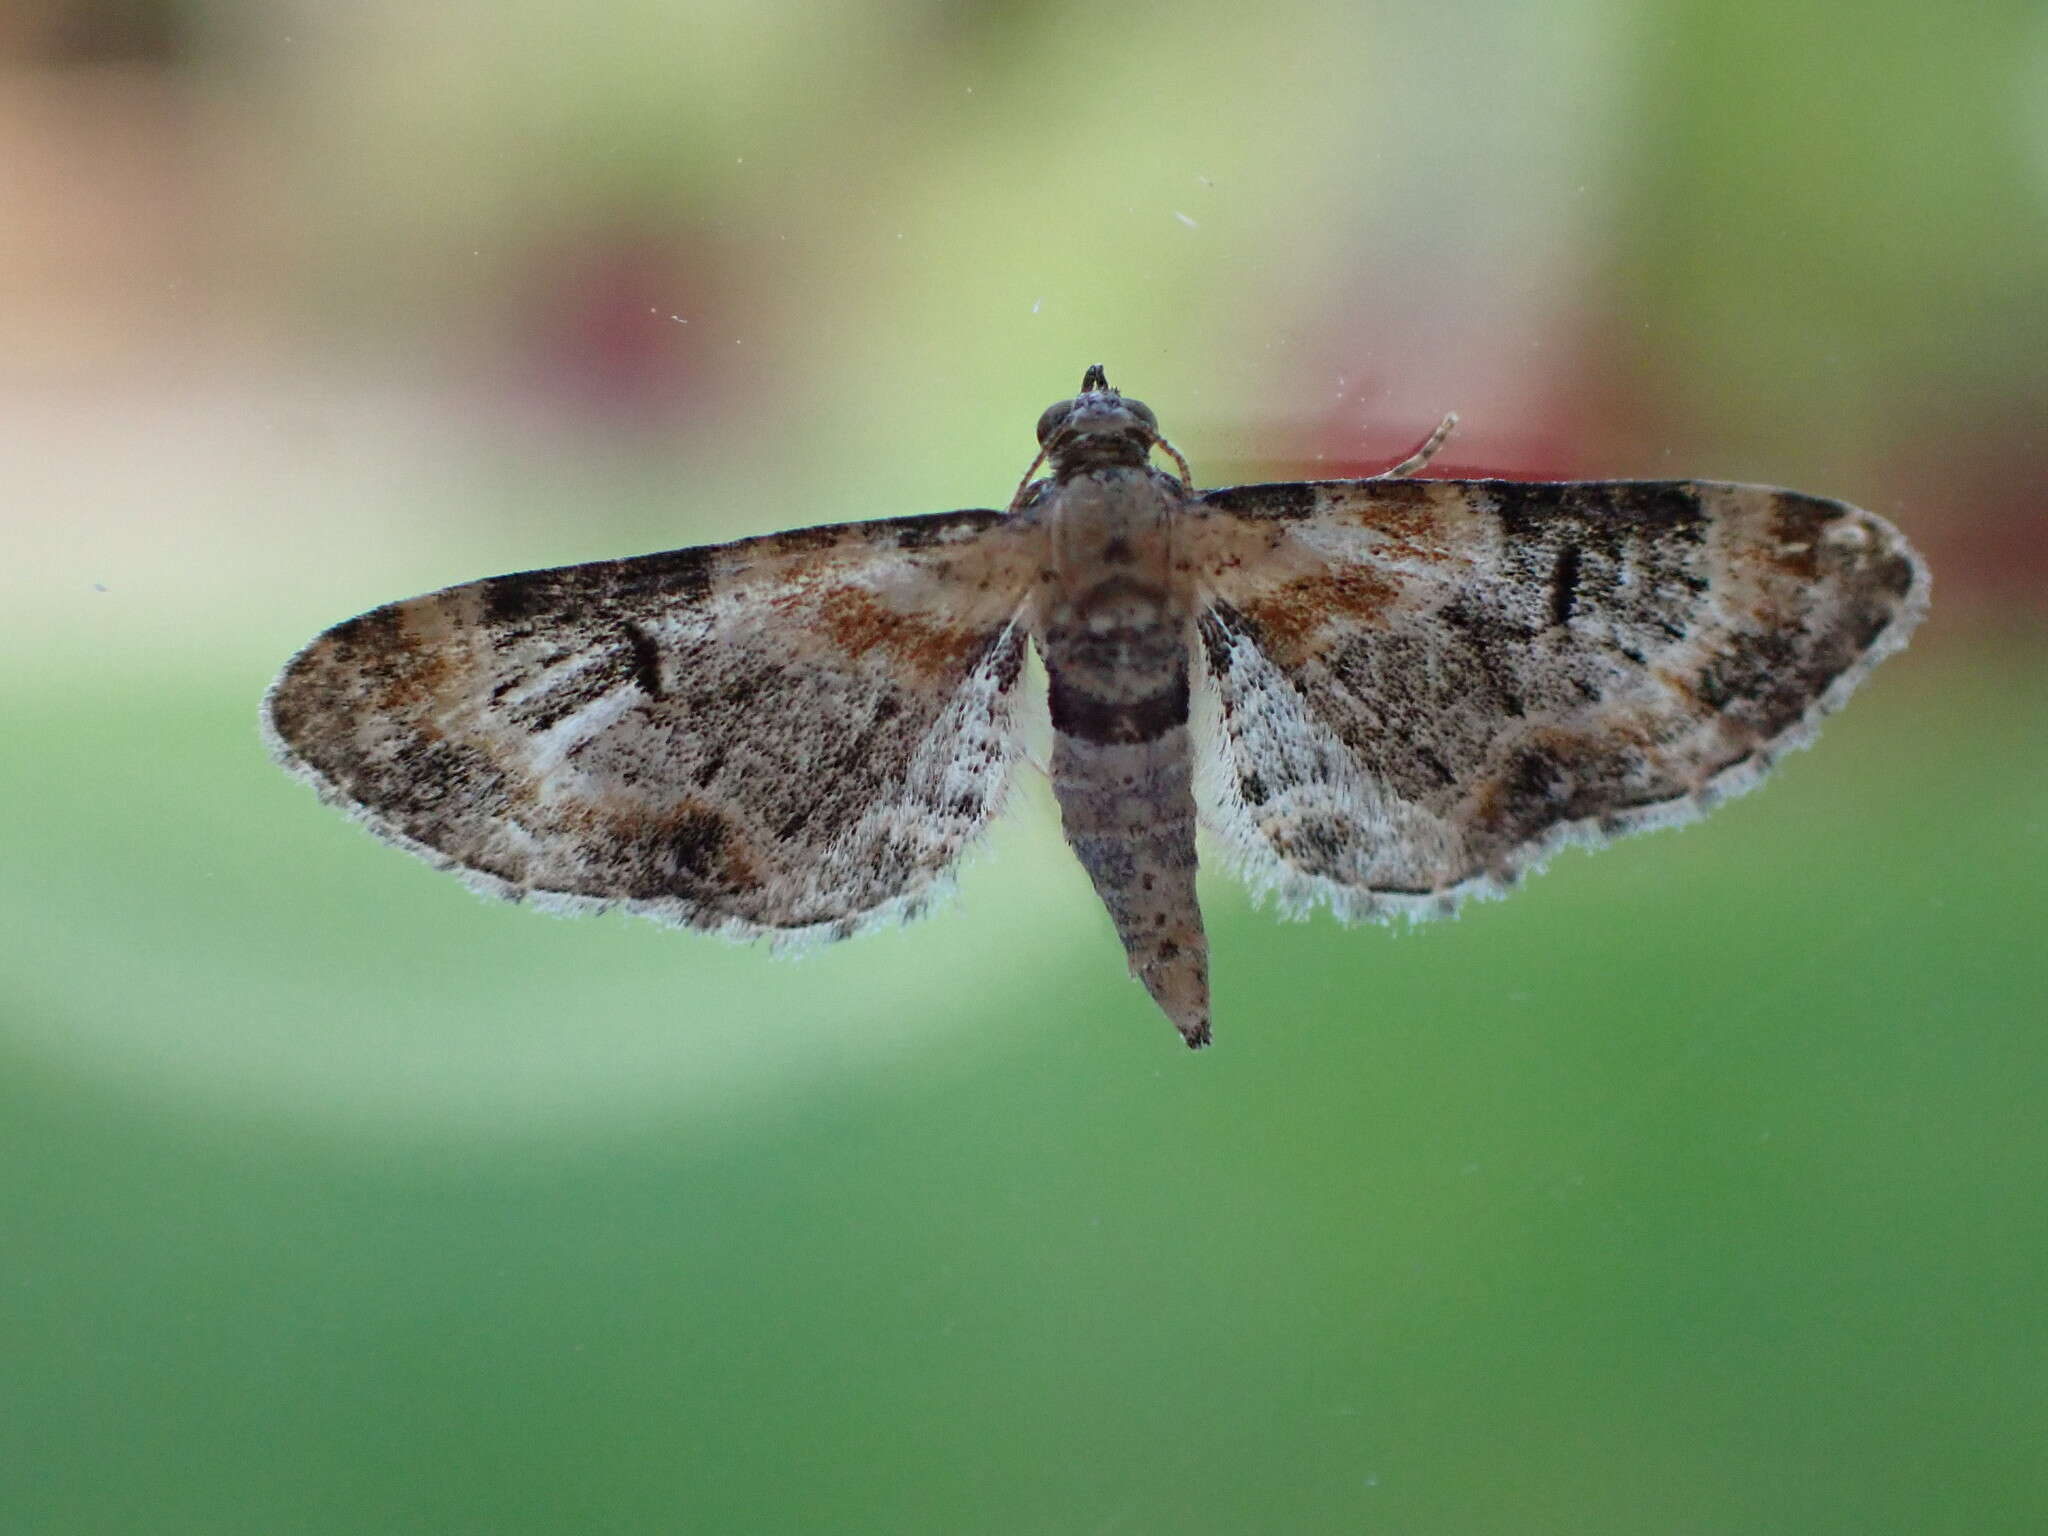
x=1109 y=550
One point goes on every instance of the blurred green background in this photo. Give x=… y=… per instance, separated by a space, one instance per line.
x=1698 y=1188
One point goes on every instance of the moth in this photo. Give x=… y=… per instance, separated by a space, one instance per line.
x=1384 y=695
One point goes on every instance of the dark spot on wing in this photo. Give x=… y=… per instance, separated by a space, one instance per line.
x=1564 y=584
x=1623 y=564
x=686 y=573
x=1288 y=500
x=1747 y=667
x=1564 y=777
x=646 y=659
x=1534 y=777
x=703 y=850
x=699 y=844
x=1799 y=521
x=1651 y=505
x=1221 y=626
x=1894 y=574
x=1768 y=678
x=523 y=595
x=1605 y=509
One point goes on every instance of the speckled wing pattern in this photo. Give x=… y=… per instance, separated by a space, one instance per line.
x=793 y=736
x=1426 y=686
x=1387 y=695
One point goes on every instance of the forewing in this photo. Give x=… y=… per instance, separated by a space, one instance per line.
x=1428 y=685
x=795 y=734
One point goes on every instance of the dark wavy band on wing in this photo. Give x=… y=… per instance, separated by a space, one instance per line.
x=1428 y=685
x=797 y=734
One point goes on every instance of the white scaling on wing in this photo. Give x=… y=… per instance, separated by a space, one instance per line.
x=1385 y=694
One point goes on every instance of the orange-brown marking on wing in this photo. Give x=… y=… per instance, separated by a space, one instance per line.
x=414 y=684
x=858 y=622
x=1292 y=616
x=1684 y=687
x=704 y=841
x=1409 y=517
x=425 y=656
x=1797 y=527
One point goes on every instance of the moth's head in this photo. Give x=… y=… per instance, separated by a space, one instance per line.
x=1097 y=426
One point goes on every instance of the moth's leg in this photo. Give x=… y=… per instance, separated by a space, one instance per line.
x=1422 y=455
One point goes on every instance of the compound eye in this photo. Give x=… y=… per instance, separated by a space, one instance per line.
x=1143 y=412
x=1049 y=423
